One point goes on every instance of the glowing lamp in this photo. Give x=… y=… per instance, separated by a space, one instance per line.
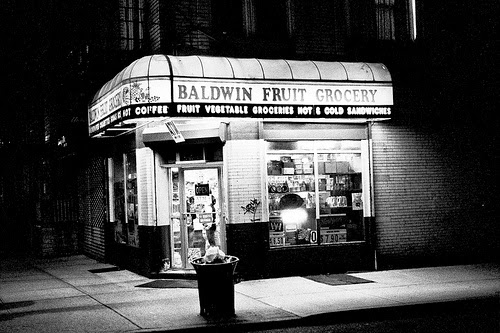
x=294 y=216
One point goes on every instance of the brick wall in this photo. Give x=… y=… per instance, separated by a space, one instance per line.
x=242 y=153
x=145 y=187
x=244 y=177
x=428 y=198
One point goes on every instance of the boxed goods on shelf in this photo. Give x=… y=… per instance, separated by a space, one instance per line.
x=330 y=167
x=342 y=167
x=274 y=167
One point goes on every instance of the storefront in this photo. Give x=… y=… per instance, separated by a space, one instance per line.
x=273 y=155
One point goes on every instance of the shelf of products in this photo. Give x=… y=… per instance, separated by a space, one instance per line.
x=330 y=189
x=338 y=192
x=302 y=185
x=340 y=198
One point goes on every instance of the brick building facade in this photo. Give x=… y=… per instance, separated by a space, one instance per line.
x=425 y=160
x=422 y=210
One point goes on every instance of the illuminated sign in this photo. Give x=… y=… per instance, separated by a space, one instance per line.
x=201 y=189
x=279 y=92
x=185 y=97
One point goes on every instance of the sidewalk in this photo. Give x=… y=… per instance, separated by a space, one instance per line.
x=78 y=294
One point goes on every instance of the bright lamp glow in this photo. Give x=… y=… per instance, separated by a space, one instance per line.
x=294 y=216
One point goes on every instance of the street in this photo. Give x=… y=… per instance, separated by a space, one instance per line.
x=480 y=315
x=470 y=316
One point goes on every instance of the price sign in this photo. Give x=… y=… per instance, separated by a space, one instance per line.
x=329 y=236
x=205 y=217
x=314 y=236
x=276 y=239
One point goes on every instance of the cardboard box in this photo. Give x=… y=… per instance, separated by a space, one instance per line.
x=321 y=168
x=298 y=169
x=322 y=184
x=342 y=167
x=330 y=167
x=308 y=171
x=274 y=167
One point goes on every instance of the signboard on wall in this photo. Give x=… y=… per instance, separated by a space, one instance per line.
x=202 y=189
x=281 y=93
x=241 y=99
x=174 y=131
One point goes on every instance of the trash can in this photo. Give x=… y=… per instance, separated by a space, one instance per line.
x=216 y=286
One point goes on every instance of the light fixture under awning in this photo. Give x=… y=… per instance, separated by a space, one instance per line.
x=161 y=86
x=194 y=131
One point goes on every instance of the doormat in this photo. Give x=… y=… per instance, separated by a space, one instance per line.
x=173 y=283
x=105 y=270
x=337 y=279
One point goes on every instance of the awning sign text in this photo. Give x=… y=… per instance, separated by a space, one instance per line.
x=230 y=98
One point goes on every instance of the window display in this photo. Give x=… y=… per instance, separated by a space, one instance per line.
x=121 y=234
x=125 y=199
x=132 y=204
x=291 y=189
x=314 y=192
x=340 y=197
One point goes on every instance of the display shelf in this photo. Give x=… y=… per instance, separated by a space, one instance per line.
x=330 y=184
x=290 y=183
x=333 y=215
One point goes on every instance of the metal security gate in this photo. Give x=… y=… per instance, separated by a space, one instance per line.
x=92 y=213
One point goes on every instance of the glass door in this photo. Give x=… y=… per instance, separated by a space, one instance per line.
x=195 y=208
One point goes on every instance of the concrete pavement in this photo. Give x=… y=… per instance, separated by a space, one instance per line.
x=79 y=294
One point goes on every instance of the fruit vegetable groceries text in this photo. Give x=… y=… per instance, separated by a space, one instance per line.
x=254 y=99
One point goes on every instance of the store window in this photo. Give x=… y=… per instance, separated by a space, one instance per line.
x=396 y=20
x=269 y=20
x=315 y=192
x=131 y=199
x=118 y=200
x=123 y=193
x=227 y=18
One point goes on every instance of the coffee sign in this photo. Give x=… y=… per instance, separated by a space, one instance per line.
x=186 y=97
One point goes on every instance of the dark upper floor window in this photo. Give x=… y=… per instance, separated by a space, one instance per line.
x=264 y=19
x=227 y=17
x=131 y=24
x=395 y=19
x=271 y=19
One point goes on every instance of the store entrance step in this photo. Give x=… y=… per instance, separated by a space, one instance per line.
x=187 y=274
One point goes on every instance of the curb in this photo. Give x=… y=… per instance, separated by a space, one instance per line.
x=341 y=317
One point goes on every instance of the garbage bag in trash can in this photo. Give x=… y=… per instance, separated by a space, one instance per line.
x=216 y=286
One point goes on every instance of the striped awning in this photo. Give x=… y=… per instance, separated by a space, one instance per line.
x=163 y=87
